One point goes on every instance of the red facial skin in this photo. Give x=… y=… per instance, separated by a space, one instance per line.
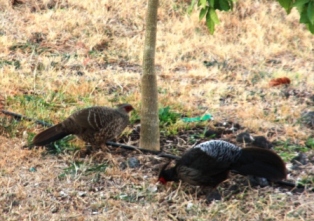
x=162 y=180
x=128 y=108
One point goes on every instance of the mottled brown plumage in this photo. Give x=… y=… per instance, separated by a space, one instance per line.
x=94 y=125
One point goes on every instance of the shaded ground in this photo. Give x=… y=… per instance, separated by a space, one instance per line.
x=101 y=185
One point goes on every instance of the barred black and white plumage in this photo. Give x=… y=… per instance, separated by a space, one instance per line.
x=209 y=163
x=94 y=125
x=220 y=150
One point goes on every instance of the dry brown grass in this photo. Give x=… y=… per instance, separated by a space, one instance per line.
x=75 y=53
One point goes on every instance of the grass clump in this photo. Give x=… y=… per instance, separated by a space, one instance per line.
x=79 y=168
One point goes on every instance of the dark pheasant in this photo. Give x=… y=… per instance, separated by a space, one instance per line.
x=208 y=164
x=94 y=125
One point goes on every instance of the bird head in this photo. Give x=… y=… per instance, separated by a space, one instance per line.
x=162 y=180
x=166 y=175
x=126 y=107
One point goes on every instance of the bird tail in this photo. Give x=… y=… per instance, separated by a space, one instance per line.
x=260 y=162
x=50 y=135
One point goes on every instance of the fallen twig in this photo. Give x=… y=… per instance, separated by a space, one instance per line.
x=21 y=117
x=158 y=153
x=290 y=184
x=128 y=147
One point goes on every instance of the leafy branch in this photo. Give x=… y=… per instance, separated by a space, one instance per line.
x=208 y=10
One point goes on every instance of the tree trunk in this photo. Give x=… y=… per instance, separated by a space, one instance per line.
x=149 y=113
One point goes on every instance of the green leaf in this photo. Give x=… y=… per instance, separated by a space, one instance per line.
x=202 y=3
x=223 y=5
x=203 y=12
x=304 y=18
x=286 y=4
x=300 y=4
x=213 y=16
x=212 y=3
x=310 y=27
x=191 y=7
x=210 y=23
x=231 y=4
x=310 y=12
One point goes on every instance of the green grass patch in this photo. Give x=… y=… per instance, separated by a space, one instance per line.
x=80 y=168
x=15 y=63
x=45 y=106
x=307 y=181
x=310 y=143
x=10 y=126
x=167 y=116
x=62 y=146
x=287 y=150
x=30 y=47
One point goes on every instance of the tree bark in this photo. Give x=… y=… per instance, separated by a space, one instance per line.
x=149 y=138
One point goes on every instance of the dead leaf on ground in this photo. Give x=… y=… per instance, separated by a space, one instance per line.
x=279 y=81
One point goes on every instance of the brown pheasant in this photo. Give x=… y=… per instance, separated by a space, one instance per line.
x=94 y=125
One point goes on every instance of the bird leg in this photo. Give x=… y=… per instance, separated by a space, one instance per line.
x=83 y=152
x=104 y=148
x=93 y=148
x=212 y=194
x=254 y=180
x=88 y=150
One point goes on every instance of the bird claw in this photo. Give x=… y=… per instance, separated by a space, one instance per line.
x=261 y=181
x=213 y=195
x=104 y=148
